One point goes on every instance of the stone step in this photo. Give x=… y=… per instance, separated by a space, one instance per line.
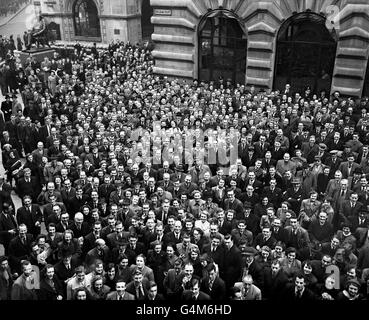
x=355 y=92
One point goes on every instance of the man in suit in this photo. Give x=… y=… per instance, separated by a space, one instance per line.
x=296 y=236
x=139 y=286
x=232 y=262
x=79 y=227
x=30 y=215
x=100 y=252
x=249 y=291
x=360 y=221
x=275 y=281
x=153 y=294
x=8 y=226
x=68 y=194
x=213 y=285
x=187 y=186
x=174 y=236
x=298 y=291
x=333 y=162
x=120 y=292
x=172 y=280
x=231 y=203
x=350 y=208
x=273 y=193
x=348 y=167
x=195 y=293
x=261 y=147
x=215 y=249
x=20 y=248
x=28 y=185
x=90 y=239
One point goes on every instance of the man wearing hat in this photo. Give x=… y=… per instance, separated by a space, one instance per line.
x=250 y=265
x=351 y=292
x=333 y=161
x=294 y=195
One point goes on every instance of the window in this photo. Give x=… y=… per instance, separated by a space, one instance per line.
x=86 y=19
x=222 y=48
x=306 y=52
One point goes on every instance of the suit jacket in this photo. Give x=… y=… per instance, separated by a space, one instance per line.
x=46 y=292
x=218 y=255
x=232 y=266
x=132 y=289
x=187 y=296
x=344 y=169
x=273 y=286
x=114 y=296
x=82 y=232
x=30 y=218
x=7 y=223
x=28 y=188
x=254 y=293
x=236 y=205
x=302 y=237
x=289 y=294
x=218 y=289
x=348 y=211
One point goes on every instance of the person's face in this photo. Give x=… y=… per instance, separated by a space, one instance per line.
x=326 y=261
x=293 y=223
x=120 y=287
x=228 y=243
x=300 y=284
x=153 y=291
x=138 y=278
x=22 y=231
x=291 y=256
x=352 y=290
x=81 y=295
x=81 y=276
x=27 y=270
x=195 y=289
x=140 y=262
x=99 y=268
x=188 y=271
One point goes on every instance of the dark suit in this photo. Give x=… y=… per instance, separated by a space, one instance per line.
x=28 y=188
x=19 y=251
x=289 y=294
x=232 y=266
x=187 y=296
x=7 y=223
x=47 y=292
x=274 y=285
x=30 y=218
x=218 y=289
x=114 y=296
x=218 y=255
x=236 y=205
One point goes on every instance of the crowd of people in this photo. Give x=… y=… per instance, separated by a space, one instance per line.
x=133 y=211
x=8 y=7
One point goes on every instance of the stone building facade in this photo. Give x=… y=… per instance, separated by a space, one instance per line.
x=265 y=43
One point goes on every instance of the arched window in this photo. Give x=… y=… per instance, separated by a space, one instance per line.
x=306 y=52
x=86 y=19
x=146 y=26
x=222 y=47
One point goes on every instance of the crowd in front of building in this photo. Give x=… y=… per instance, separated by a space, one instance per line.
x=133 y=212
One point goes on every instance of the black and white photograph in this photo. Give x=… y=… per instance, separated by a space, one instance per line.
x=200 y=154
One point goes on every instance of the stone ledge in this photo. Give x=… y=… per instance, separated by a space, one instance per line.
x=354 y=32
x=350 y=72
x=173 y=21
x=262 y=45
x=258 y=63
x=173 y=72
x=170 y=38
x=172 y=55
x=258 y=81
x=357 y=52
